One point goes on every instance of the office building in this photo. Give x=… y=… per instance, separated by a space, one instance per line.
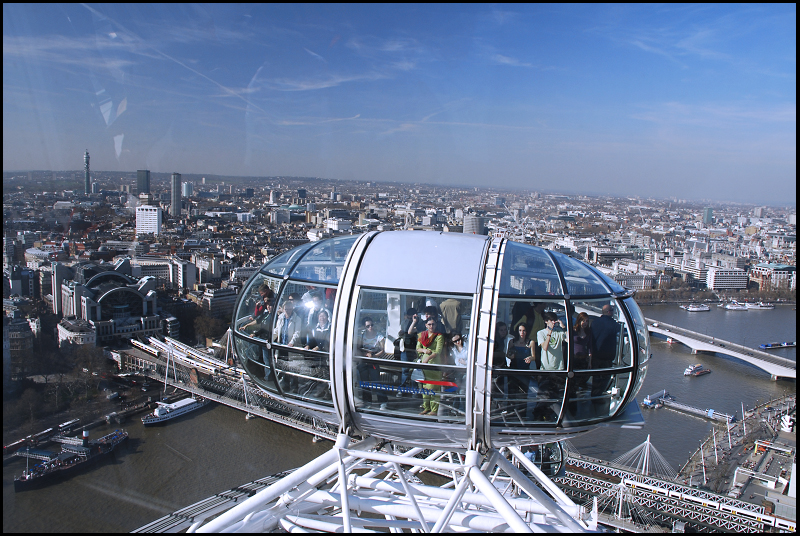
x=708 y=215
x=143 y=181
x=722 y=278
x=175 y=207
x=475 y=224
x=187 y=189
x=774 y=276
x=148 y=220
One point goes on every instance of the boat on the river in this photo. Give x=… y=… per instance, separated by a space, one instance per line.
x=774 y=345
x=736 y=306
x=74 y=457
x=165 y=412
x=691 y=369
x=695 y=307
x=759 y=306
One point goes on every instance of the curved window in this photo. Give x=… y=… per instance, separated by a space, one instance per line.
x=325 y=261
x=402 y=367
x=601 y=337
x=525 y=398
x=594 y=396
x=256 y=361
x=529 y=271
x=643 y=336
x=284 y=262
x=529 y=361
x=255 y=313
x=615 y=287
x=581 y=280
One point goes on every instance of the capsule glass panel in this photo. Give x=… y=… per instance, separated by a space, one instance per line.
x=256 y=361
x=548 y=457
x=580 y=278
x=255 y=313
x=529 y=271
x=642 y=334
x=281 y=264
x=601 y=335
x=324 y=262
x=399 y=367
x=521 y=398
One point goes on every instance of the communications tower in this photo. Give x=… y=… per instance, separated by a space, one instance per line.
x=87 y=187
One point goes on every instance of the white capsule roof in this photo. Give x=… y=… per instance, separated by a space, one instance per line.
x=443 y=339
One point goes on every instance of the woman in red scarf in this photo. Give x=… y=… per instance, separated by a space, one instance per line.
x=429 y=349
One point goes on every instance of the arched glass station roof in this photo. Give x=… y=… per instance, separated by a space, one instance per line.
x=364 y=330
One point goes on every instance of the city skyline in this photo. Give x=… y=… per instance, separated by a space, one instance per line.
x=693 y=101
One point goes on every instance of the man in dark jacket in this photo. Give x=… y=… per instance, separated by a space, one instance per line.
x=605 y=331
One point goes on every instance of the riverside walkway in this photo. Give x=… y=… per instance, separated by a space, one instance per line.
x=777 y=367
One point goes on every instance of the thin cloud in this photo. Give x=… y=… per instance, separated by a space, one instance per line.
x=315 y=55
x=506 y=60
x=286 y=84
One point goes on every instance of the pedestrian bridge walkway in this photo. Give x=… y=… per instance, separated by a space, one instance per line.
x=777 y=367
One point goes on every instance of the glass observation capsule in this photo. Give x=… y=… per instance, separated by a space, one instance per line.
x=443 y=339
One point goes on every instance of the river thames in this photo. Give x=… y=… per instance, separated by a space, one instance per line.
x=165 y=468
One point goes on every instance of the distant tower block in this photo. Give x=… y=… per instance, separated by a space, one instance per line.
x=143 y=181
x=87 y=187
x=175 y=207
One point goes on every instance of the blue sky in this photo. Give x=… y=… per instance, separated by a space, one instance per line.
x=692 y=101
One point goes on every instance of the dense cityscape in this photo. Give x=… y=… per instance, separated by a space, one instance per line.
x=184 y=245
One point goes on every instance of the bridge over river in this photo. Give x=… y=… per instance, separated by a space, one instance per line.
x=776 y=366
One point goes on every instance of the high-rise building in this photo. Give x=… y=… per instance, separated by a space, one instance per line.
x=301 y=193
x=87 y=187
x=148 y=220
x=475 y=224
x=708 y=215
x=175 y=207
x=95 y=188
x=187 y=189
x=143 y=181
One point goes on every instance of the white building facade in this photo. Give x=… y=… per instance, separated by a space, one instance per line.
x=721 y=278
x=148 y=220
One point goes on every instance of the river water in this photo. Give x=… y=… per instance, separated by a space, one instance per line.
x=163 y=469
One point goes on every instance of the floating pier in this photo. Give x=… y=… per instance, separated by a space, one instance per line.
x=691 y=410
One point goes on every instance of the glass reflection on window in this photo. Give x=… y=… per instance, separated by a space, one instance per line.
x=256 y=361
x=324 y=261
x=303 y=316
x=303 y=375
x=531 y=335
x=642 y=334
x=581 y=280
x=528 y=271
x=281 y=264
x=594 y=396
x=410 y=354
x=520 y=398
x=256 y=312
x=600 y=335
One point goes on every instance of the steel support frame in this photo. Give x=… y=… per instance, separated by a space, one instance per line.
x=485 y=492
